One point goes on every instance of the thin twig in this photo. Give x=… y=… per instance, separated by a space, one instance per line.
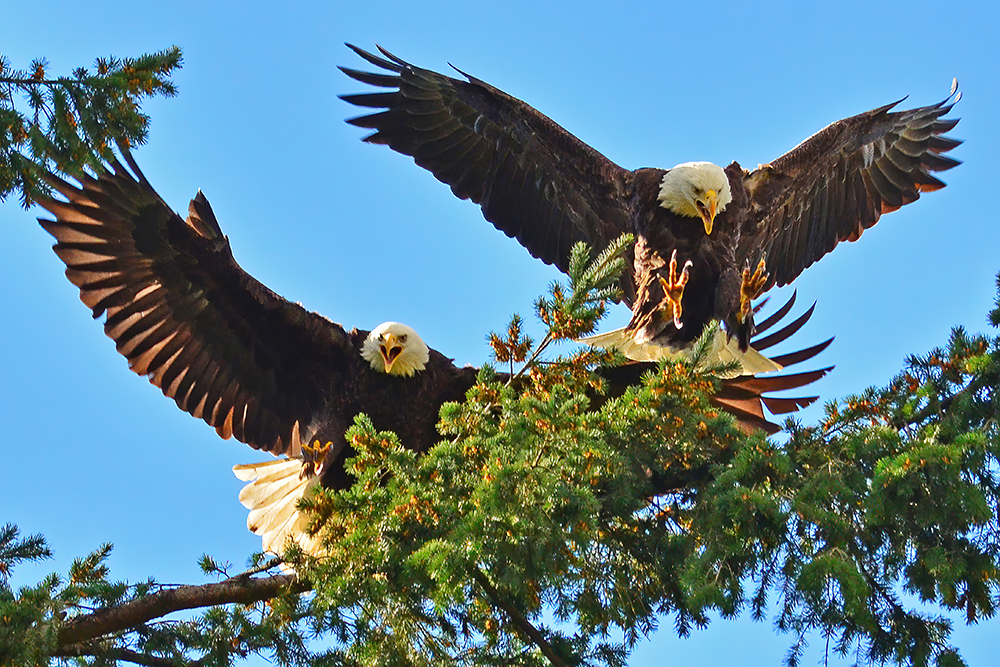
x=263 y=567
x=534 y=355
x=37 y=82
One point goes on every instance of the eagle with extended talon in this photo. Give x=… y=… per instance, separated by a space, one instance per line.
x=708 y=239
x=231 y=352
x=262 y=369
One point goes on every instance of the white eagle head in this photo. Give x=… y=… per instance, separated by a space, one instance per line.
x=696 y=190
x=395 y=349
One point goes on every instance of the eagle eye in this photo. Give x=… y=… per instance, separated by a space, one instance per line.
x=402 y=339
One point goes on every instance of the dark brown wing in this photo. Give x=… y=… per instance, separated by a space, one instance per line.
x=535 y=181
x=837 y=183
x=181 y=310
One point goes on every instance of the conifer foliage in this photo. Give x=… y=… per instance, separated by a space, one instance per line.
x=560 y=520
x=72 y=120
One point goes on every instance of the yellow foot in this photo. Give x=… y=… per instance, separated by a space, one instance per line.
x=751 y=288
x=313 y=458
x=673 y=289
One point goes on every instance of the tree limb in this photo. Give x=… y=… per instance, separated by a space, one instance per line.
x=117 y=654
x=240 y=589
x=517 y=618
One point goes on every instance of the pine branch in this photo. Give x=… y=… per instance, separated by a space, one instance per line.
x=14 y=550
x=591 y=285
x=235 y=590
x=517 y=618
x=113 y=654
x=69 y=122
x=532 y=360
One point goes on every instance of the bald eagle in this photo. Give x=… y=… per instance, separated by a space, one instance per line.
x=262 y=369
x=223 y=346
x=708 y=239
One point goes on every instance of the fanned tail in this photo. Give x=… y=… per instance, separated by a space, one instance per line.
x=272 y=496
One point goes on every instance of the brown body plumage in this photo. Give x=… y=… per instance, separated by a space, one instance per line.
x=538 y=183
x=712 y=291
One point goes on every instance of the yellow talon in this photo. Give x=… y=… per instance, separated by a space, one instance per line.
x=316 y=451
x=751 y=287
x=673 y=289
x=313 y=457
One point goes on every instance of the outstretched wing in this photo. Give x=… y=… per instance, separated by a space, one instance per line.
x=182 y=311
x=837 y=183
x=534 y=181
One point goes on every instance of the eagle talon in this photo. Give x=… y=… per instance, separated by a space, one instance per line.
x=673 y=288
x=313 y=457
x=751 y=287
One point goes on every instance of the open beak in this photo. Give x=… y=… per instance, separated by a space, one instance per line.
x=709 y=209
x=390 y=350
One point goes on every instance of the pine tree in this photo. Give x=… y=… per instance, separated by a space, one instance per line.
x=549 y=498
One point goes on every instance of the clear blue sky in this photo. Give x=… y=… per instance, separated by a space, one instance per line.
x=92 y=453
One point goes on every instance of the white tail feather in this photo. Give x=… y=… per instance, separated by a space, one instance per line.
x=272 y=496
x=724 y=350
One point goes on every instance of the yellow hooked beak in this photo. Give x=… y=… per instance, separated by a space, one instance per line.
x=708 y=209
x=390 y=349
